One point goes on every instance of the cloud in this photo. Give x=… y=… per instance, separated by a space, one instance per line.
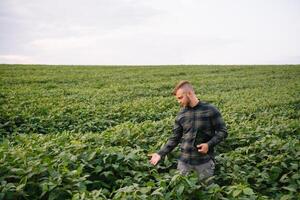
x=57 y=18
x=67 y=43
x=130 y=48
x=42 y=21
x=150 y=32
x=16 y=59
x=290 y=59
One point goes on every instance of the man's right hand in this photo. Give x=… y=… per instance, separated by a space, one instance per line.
x=155 y=158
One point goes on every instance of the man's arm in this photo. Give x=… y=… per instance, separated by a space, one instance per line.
x=170 y=145
x=219 y=127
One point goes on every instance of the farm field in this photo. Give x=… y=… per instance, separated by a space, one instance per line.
x=85 y=132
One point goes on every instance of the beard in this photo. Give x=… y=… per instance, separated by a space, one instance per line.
x=187 y=104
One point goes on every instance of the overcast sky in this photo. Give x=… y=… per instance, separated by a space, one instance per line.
x=110 y=32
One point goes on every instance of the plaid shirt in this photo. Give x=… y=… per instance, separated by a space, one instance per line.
x=201 y=124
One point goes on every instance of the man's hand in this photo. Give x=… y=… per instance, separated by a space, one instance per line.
x=155 y=158
x=202 y=148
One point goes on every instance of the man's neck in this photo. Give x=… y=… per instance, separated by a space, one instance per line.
x=194 y=103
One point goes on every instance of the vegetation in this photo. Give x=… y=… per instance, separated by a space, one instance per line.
x=85 y=132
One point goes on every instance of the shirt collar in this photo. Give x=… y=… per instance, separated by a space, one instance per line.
x=196 y=106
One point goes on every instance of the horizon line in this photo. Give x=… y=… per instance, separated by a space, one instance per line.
x=137 y=65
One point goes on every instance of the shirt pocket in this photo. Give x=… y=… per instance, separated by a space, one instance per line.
x=187 y=125
x=202 y=121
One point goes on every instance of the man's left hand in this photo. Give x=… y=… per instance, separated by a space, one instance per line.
x=202 y=148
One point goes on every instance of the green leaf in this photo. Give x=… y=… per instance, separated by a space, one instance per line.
x=290 y=188
x=20 y=187
x=59 y=193
x=92 y=155
x=275 y=172
x=180 y=190
x=284 y=178
x=150 y=184
x=157 y=192
x=236 y=193
x=98 y=169
x=248 y=191
x=296 y=176
x=18 y=171
x=174 y=178
x=286 y=197
x=145 y=190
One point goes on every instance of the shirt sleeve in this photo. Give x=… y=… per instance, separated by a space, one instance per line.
x=173 y=140
x=219 y=127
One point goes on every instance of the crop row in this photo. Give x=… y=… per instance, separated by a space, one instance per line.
x=72 y=165
x=85 y=132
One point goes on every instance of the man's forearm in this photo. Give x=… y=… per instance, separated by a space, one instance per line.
x=168 y=147
x=218 y=137
x=173 y=140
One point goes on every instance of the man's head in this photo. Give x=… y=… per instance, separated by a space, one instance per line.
x=184 y=93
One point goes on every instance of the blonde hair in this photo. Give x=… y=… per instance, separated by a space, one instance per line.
x=184 y=83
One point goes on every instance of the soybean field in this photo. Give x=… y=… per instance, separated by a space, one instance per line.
x=86 y=132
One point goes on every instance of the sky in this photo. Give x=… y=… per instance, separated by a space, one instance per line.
x=149 y=32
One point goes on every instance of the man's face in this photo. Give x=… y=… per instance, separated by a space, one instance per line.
x=182 y=98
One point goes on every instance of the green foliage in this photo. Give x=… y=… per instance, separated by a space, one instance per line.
x=85 y=132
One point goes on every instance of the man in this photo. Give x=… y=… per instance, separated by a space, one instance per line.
x=199 y=127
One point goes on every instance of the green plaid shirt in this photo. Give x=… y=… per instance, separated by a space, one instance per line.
x=201 y=124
